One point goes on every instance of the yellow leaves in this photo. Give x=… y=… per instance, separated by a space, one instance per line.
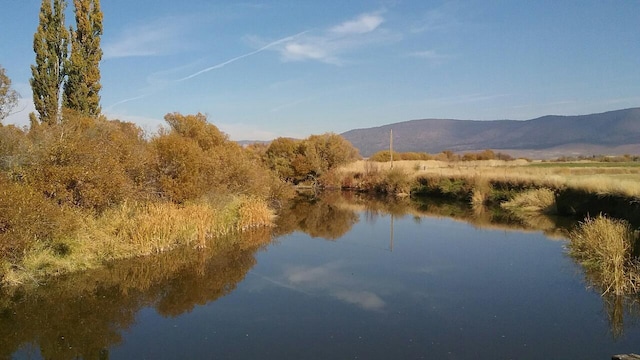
x=298 y=160
x=84 y=162
x=194 y=159
x=197 y=128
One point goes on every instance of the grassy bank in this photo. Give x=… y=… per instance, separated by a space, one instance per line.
x=593 y=177
x=136 y=229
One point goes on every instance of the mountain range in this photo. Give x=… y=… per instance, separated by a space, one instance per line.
x=608 y=133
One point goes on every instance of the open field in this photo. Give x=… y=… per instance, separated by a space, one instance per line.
x=596 y=177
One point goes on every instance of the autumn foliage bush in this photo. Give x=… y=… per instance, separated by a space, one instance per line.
x=193 y=159
x=309 y=159
x=27 y=218
x=60 y=182
x=85 y=162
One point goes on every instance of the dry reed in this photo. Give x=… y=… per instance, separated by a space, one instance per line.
x=138 y=229
x=624 y=181
x=605 y=247
x=534 y=200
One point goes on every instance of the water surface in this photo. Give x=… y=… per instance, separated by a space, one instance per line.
x=343 y=279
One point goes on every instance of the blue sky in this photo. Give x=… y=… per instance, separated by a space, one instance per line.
x=260 y=70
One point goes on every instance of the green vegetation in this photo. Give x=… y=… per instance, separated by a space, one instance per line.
x=587 y=164
x=50 y=43
x=605 y=247
x=76 y=76
x=597 y=160
x=82 y=87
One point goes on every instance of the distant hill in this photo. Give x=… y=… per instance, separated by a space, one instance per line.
x=613 y=131
x=251 y=142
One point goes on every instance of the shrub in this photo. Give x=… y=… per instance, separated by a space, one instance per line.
x=298 y=161
x=605 y=247
x=395 y=181
x=85 y=162
x=195 y=159
x=538 y=200
x=27 y=218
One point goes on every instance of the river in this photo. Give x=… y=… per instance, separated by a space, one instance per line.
x=341 y=277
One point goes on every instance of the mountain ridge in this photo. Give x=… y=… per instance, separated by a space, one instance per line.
x=611 y=129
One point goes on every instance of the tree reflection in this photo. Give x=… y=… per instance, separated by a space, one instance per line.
x=331 y=214
x=319 y=216
x=83 y=315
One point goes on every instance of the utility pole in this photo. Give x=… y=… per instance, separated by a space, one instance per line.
x=391 y=242
x=391 y=147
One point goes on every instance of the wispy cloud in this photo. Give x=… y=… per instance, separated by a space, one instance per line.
x=330 y=44
x=232 y=60
x=365 y=299
x=329 y=278
x=160 y=37
x=362 y=24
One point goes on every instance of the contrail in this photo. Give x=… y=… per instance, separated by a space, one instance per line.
x=126 y=101
x=278 y=283
x=280 y=41
x=218 y=66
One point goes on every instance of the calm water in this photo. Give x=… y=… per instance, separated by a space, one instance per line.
x=341 y=281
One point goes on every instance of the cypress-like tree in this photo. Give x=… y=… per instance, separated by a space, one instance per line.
x=50 y=44
x=81 y=91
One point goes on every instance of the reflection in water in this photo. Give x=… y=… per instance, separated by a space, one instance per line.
x=330 y=278
x=83 y=315
x=616 y=307
x=319 y=216
x=330 y=215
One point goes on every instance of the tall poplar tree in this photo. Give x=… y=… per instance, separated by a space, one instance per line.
x=81 y=91
x=50 y=44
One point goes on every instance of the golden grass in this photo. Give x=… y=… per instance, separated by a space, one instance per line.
x=534 y=200
x=138 y=229
x=624 y=181
x=605 y=246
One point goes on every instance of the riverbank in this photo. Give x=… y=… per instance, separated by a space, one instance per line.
x=137 y=229
x=579 y=188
